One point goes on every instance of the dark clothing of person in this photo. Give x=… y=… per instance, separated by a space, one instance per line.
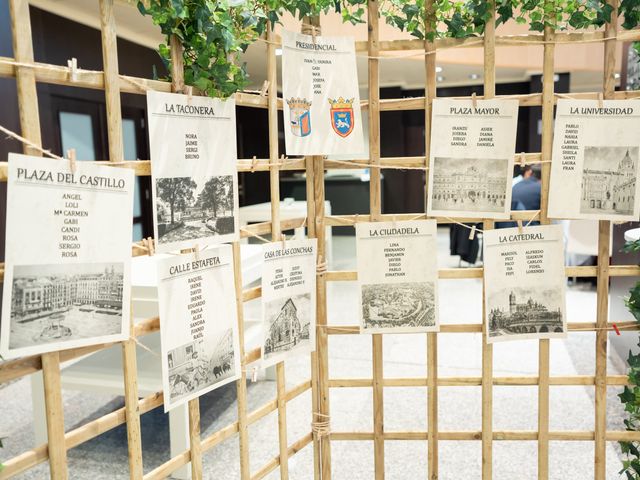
x=527 y=192
x=461 y=245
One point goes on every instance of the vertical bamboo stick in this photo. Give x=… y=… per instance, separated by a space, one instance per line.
x=315 y=390
x=548 y=84
x=116 y=154
x=432 y=338
x=276 y=235
x=487 y=349
x=604 y=243
x=111 y=80
x=55 y=416
x=25 y=77
x=30 y=127
x=375 y=212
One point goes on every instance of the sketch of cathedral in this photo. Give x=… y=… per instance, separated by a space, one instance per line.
x=469 y=184
x=609 y=180
x=522 y=318
x=288 y=328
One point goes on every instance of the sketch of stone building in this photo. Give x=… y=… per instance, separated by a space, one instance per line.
x=398 y=305
x=609 y=180
x=65 y=302
x=469 y=184
x=529 y=317
x=288 y=325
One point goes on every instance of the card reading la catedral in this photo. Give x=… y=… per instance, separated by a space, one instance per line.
x=198 y=324
x=68 y=255
x=193 y=170
x=397 y=276
x=524 y=283
x=288 y=299
x=321 y=98
x=471 y=160
x=594 y=172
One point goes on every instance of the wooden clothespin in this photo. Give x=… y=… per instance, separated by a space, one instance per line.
x=523 y=160
x=188 y=90
x=394 y=220
x=355 y=220
x=254 y=375
x=265 y=88
x=600 y=99
x=254 y=163
x=284 y=241
x=282 y=160
x=474 y=100
x=73 y=69
x=71 y=155
x=313 y=33
x=519 y=222
x=472 y=233
x=196 y=251
x=151 y=248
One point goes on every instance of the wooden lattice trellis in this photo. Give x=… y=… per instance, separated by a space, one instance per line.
x=27 y=73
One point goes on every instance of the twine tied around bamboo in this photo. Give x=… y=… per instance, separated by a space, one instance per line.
x=321 y=425
x=321 y=266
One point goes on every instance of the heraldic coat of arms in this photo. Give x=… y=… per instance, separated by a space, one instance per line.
x=342 y=116
x=300 y=116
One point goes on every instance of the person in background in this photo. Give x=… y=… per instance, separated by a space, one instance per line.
x=525 y=195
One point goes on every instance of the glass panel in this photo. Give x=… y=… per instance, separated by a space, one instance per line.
x=131 y=153
x=77 y=132
x=137 y=231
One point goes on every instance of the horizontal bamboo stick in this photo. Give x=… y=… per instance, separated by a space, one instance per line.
x=272 y=464
x=503 y=435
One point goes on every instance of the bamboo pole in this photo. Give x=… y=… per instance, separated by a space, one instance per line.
x=548 y=85
x=55 y=416
x=487 y=349
x=276 y=235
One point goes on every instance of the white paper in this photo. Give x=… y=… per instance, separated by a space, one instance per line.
x=321 y=100
x=524 y=280
x=594 y=173
x=471 y=159
x=398 y=276
x=198 y=324
x=288 y=300
x=68 y=255
x=193 y=170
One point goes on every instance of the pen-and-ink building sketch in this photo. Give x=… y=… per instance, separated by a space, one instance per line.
x=289 y=323
x=195 y=366
x=398 y=305
x=469 y=184
x=53 y=303
x=609 y=180
x=535 y=312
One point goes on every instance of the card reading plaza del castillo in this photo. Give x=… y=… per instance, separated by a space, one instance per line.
x=321 y=100
x=68 y=255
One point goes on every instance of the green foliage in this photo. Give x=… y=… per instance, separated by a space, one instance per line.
x=630 y=396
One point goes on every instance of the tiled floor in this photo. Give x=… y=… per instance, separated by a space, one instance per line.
x=515 y=408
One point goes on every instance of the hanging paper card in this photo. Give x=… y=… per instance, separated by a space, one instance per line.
x=288 y=299
x=321 y=100
x=524 y=283
x=198 y=324
x=594 y=173
x=398 y=276
x=193 y=168
x=471 y=160
x=68 y=255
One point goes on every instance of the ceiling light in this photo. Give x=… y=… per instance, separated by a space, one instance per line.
x=616 y=76
x=440 y=78
x=278 y=52
x=474 y=76
x=438 y=69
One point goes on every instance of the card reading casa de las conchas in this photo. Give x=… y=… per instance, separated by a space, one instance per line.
x=397 y=276
x=198 y=324
x=594 y=172
x=524 y=280
x=68 y=255
x=193 y=170
x=471 y=160
x=288 y=299
x=321 y=100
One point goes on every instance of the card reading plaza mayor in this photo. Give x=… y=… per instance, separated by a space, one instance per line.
x=198 y=324
x=288 y=299
x=471 y=161
x=594 y=173
x=398 y=276
x=524 y=283
x=68 y=255
x=193 y=168
x=321 y=97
